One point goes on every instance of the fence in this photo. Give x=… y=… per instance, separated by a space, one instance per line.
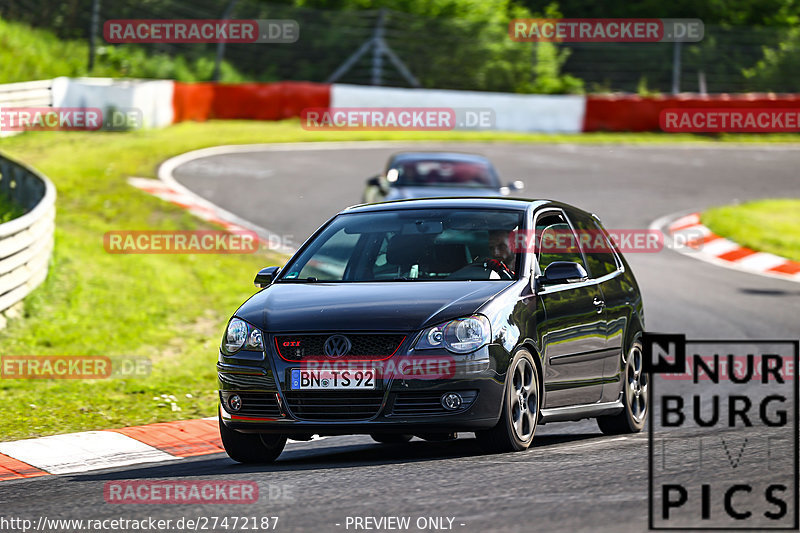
x=440 y=53
x=26 y=243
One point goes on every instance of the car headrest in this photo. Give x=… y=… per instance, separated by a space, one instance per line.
x=449 y=257
x=408 y=249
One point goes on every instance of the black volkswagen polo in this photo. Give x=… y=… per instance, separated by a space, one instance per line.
x=433 y=316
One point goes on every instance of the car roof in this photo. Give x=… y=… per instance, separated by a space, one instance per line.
x=487 y=202
x=476 y=202
x=441 y=156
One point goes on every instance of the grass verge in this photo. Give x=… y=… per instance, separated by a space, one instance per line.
x=765 y=225
x=8 y=210
x=170 y=308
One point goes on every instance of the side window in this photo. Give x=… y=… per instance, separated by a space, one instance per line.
x=331 y=259
x=555 y=241
x=596 y=247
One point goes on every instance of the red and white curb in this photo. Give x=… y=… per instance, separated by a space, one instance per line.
x=209 y=212
x=86 y=451
x=687 y=235
x=94 y=450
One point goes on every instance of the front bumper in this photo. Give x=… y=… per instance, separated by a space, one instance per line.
x=399 y=404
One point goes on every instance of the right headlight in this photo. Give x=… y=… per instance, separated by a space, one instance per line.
x=239 y=334
x=462 y=335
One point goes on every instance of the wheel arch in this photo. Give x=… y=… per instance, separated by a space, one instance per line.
x=634 y=333
x=538 y=360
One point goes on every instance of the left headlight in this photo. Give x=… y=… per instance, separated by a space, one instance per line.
x=239 y=334
x=462 y=335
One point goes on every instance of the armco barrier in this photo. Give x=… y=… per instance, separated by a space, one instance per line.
x=513 y=112
x=634 y=113
x=254 y=101
x=25 y=94
x=165 y=102
x=152 y=97
x=25 y=242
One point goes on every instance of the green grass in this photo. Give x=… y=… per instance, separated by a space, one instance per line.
x=28 y=53
x=765 y=225
x=170 y=308
x=8 y=210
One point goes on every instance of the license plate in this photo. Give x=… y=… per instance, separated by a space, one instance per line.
x=332 y=379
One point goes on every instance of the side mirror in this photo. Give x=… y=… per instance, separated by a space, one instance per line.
x=564 y=272
x=380 y=182
x=266 y=276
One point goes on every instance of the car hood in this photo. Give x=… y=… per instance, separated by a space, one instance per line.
x=369 y=306
x=402 y=193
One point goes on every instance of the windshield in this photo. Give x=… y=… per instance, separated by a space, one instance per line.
x=411 y=245
x=441 y=173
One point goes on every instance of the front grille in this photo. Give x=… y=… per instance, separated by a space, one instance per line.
x=256 y=404
x=428 y=403
x=364 y=345
x=232 y=380
x=330 y=405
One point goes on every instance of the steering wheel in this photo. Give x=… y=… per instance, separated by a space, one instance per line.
x=495 y=265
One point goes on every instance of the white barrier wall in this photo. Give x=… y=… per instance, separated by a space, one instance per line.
x=513 y=112
x=152 y=97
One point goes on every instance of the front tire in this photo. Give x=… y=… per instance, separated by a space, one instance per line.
x=520 y=416
x=634 y=396
x=250 y=448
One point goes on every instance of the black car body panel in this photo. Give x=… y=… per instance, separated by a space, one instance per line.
x=363 y=306
x=577 y=344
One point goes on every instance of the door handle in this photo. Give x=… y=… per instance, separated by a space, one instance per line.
x=600 y=304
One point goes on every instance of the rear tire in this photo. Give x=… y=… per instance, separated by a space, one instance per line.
x=391 y=438
x=634 y=396
x=250 y=448
x=520 y=416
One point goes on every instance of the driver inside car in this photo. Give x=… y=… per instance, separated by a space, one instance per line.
x=501 y=259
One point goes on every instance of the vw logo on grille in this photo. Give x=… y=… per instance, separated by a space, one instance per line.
x=337 y=346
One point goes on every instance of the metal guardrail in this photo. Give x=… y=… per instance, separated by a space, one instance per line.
x=26 y=243
x=25 y=94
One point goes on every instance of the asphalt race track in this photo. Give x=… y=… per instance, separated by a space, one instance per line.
x=574 y=478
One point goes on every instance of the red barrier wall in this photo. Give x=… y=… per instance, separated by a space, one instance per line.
x=192 y=101
x=634 y=113
x=255 y=101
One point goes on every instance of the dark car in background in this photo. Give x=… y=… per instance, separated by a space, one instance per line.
x=423 y=317
x=436 y=174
